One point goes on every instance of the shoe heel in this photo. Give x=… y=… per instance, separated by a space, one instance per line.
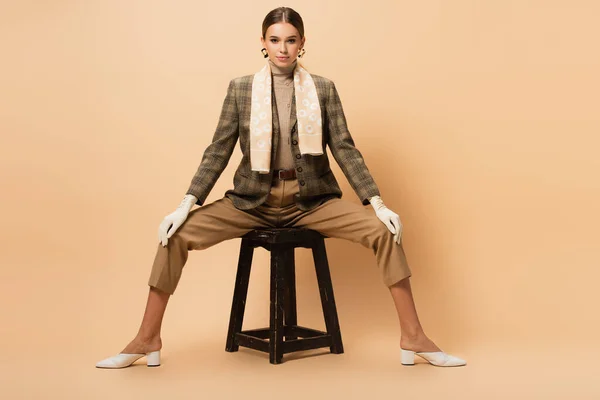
x=153 y=358
x=407 y=357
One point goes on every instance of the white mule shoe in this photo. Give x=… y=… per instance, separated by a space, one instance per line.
x=123 y=360
x=438 y=358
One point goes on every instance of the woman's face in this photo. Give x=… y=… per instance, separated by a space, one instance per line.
x=282 y=41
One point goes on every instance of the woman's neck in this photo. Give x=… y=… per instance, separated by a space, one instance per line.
x=283 y=71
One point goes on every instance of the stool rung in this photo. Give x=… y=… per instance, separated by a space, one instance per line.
x=290 y=346
x=258 y=339
x=261 y=333
x=302 y=331
x=288 y=330
x=252 y=342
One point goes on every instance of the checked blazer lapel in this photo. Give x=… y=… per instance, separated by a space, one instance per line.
x=293 y=109
x=275 y=128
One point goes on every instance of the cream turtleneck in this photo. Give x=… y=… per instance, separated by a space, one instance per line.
x=283 y=85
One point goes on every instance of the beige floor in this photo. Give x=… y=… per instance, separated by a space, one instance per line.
x=54 y=334
x=201 y=369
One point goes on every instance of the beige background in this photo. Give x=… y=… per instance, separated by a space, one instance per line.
x=478 y=119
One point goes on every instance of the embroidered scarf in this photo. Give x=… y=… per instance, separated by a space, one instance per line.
x=308 y=115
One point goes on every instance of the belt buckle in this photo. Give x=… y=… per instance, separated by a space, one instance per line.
x=279 y=174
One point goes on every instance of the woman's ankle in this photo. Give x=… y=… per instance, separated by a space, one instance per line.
x=153 y=338
x=418 y=342
x=413 y=338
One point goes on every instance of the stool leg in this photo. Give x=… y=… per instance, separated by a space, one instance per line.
x=327 y=300
x=239 y=294
x=290 y=310
x=277 y=301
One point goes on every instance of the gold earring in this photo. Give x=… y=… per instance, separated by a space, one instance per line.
x=301 y=52
x=263 y=50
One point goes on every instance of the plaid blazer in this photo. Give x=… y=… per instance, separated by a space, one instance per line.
x=316 y=181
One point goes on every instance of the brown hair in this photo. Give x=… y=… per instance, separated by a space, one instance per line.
x=283 y=14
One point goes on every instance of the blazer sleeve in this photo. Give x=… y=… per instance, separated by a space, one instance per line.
x=348 y=157
x=217 y=154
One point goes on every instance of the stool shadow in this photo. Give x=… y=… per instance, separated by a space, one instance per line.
x=297 y=355
x=213 y=349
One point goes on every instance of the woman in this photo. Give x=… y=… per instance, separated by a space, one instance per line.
x=298 y=190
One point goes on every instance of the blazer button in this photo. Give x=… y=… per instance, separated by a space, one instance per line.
x=298 y=156
x=299 y=169
x=294 y=141
x=301 y=182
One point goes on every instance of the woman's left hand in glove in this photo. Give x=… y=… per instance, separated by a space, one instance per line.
x=388 y=217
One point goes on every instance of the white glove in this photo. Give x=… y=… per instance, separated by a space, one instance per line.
x=388 y=217
x=175 y=219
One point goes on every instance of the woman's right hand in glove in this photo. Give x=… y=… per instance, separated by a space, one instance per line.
x=173 y=221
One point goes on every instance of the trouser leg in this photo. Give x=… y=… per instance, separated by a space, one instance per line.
x=346 y=220
x=204 y=227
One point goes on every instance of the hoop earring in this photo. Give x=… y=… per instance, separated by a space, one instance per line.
x=301 y=52
x=263 y=51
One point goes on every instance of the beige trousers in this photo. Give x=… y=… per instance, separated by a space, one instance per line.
x=220 y=220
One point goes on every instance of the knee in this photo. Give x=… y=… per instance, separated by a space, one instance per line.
x=178 y=238
x=189 y=237
x=378 y=233
x=380 y=229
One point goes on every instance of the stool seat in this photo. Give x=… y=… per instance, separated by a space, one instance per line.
x=283 y=335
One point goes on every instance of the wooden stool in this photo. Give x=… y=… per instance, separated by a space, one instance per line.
x=283 y=324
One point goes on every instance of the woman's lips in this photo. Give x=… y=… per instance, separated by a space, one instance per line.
x=282 y=58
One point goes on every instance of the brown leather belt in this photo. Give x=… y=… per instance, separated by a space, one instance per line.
x=284 y=174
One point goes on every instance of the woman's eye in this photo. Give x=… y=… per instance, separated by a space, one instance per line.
x=291 y=40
